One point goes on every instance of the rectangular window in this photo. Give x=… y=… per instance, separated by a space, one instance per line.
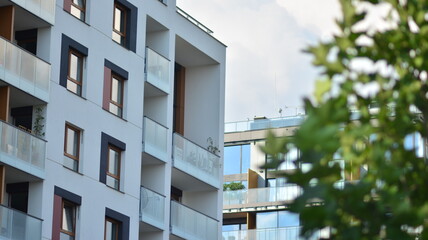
x=116 y=95
x=77 y=9
x=68 y=221
x=119 y=24
x=236 y=159
x=75 y=72
x=72 y=147
x=113 y=167
x=111 y=229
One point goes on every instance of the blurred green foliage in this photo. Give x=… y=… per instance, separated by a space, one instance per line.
x=363 y=115
x=233 y=186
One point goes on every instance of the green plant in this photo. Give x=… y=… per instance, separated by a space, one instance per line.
x=232 y=186
x=211 y=147
x=361 y=66
x=39 y=122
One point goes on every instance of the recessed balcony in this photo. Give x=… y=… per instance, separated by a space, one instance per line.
x=152 y=206
x=18 y=225
x=44 y=9
x=195 y=161
x=24 y=70
x=157 y=74
x=189 y=224
x=22 y=150
x=155 y=138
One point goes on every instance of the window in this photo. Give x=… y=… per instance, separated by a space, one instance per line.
x=75 y=72
x=236 y=159
x=111 y=161
x=65 y=214
x=73 y=56
x=111 y=229
x=125 y=24
x=119 y=24
x=72 y=147
x=76 y=8
x=277 y=219
x=116 y=95
x=114 y=88
x=68 y=220
x=113 y=167
x=116 y=226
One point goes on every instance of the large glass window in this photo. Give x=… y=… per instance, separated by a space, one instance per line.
x=68 y=221
x=75 y=72
x=119 y=24
x=277 y=219
x=236 y=159
x=113 y=167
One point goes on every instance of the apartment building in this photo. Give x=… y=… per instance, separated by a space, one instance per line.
x=111 y=120
x=256 y=206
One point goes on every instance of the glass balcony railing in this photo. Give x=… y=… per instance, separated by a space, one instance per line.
x=18 y=225
x=155 y=139
x=45 y=9
x=286 y=233
x=261 y=195
x=157 y=70
x=22 y=150
x=261 y=124
x=190 y=224
x=24 y=70
x=196 y=161
x=152 y=207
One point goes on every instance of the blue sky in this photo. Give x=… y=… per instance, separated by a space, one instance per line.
x=266 y=68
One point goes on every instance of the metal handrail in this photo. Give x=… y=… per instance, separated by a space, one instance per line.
x=194 y=21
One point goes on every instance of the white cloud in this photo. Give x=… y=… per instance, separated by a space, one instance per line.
x=266 y=68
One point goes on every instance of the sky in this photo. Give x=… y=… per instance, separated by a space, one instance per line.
x=265 y=67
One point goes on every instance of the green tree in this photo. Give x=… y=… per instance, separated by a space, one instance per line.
x=364 y=114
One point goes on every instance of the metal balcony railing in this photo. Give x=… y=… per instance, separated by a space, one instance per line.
x=196 y=161
x=24 y=70
x=194 y=21
x=285 y=233
x=192 y=225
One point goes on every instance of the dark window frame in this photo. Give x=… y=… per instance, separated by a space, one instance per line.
x=121 y=82
x=106 y=141
x=68 y=44
x=121 y=219
x=124 y=14
x=70 y=3
x=115 y=222
x=74 y=207
x=130 y=27
x=108 y=173
x=80 y=56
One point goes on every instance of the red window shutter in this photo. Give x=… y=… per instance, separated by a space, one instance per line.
x=107 y=88
x=67 y=5
x=56 y=222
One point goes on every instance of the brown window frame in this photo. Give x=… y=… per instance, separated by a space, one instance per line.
x=119 y=151
x=79 y=131
x=122 y=86
x=107 y=219
x=125 y=13
x=63 y=203
x=75 y=81
x=82 y=9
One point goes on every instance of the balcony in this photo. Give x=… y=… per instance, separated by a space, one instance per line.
x=44 y=9
x=286 y=233
x=21 y=150
x=152 y=207
x=254 y=197
x=196 y=161
x=18 y=225
x=189 y=224
x=24 y=70
x=157 y=71
x=155 y=138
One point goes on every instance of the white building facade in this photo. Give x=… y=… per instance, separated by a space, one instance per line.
x=111 y=121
